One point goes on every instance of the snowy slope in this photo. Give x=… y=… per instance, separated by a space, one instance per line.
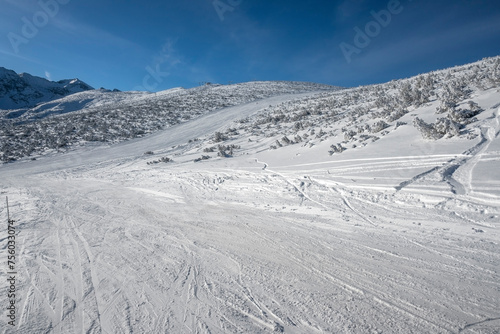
x=25 y=91
x=399 y=234
x=104 y=116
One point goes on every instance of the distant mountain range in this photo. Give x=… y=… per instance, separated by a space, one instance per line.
x=25 y=91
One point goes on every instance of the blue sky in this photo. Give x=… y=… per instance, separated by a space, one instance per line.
x=155 y=45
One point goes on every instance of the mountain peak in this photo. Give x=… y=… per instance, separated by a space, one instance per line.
x=25 y=90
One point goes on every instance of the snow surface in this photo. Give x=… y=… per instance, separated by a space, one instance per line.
x=399 y=236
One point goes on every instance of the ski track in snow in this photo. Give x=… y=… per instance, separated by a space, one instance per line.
x=458 y=172
x=110 y=245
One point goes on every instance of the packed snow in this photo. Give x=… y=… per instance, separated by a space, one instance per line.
x=219 y=224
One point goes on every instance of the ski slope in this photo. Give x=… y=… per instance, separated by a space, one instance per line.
x=400 y=236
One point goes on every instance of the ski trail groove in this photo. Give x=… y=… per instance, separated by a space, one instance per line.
x=471 y=326
x=464 y=164
x=345 y=200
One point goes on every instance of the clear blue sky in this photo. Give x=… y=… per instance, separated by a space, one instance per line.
x=162 y=44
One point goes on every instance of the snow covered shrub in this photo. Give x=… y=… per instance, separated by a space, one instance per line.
x=398 y=124
x=396 y=114
x=415 y=95
x=320 y=134
x=286 y=140
x=494 y=75
x=232 y=132
x=475 y=107
x=336 y=149
x=203 y=157
x=426 y=84
x=226 y=151
x=379 y=126
x=222 y=151
x=381 y=101
x=447 y=127
x=349 y=135
x=426 y=130
x=406 y=94
x=298 y=126
x=163 y=159
x=446 y=106
x=443 y=127
x=209 y=149
x=219 y=136
x=455 y=91
x=465 y=116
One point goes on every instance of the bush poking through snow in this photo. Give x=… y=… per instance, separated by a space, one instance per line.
x=465 y=116
x=349 y=135
x=164 y=159
x=398 y=124
x=286 y=140
x=447 y=127
x=446 y=107
x=379 y=126
x=396 y=114
x=443 y=127
x=336 y=148
x=219 y=136
x=203 y=157
x=226 y=151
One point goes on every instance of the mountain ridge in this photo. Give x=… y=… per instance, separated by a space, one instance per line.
x=24 y=90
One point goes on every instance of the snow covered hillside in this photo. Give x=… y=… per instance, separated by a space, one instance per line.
x=366 y=210
x=25 y=91
x=105 y=116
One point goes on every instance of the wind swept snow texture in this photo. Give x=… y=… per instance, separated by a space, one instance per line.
x=389 y=233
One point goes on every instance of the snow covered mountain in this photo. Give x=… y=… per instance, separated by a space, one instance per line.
x=24 y=90
x=259 y=208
